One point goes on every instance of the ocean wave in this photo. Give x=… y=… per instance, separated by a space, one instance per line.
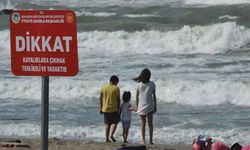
x=137 y=3
x=5 y=43
x=211 y=39
x=228 y=17
x=139 y=15
x=96 y=14
x=215 y=2
x=103 y=3
x=6 y=5
x=122 y=3
x=186 y=92
x=198 y=93
x=166 y=135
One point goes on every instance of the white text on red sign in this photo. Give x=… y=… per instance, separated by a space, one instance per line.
x=30 y=43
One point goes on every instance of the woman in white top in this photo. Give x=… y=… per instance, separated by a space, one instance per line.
x=146 y=102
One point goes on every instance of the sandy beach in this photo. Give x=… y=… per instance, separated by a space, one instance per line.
x=58 y=144
x=198 y=52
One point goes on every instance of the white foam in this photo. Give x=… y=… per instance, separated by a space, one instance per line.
x=187 y=92
x=211 y=39
x=54 y=3
x=6 y=5
x=213 y=92
x=215 y=2
x=96 y=14
x=123 y=3
x=166 y=135
x=4 y=43
x=138 y=3
x=229 y=17
x=62 y=88
x=139 y=15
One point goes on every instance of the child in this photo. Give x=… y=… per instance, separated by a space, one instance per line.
x=125 y=115
x=204 y=142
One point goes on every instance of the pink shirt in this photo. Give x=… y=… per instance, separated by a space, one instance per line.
x=219 y=146
x=246 y=147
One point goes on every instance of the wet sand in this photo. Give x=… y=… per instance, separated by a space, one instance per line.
x=58 y=144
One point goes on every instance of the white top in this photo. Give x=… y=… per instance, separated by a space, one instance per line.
x=125 y=112
x=145 y=104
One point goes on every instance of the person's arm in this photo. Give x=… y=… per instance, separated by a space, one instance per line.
x=118 y=100
x=154 y=97
x=101 y=101
x=137 y=98
x=132 y=109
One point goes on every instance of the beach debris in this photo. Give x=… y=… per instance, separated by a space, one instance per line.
x=15 y=143
x=140 y=147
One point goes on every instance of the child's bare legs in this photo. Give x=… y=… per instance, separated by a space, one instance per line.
x=143 y=122
x=125 y=135
x=150 y=126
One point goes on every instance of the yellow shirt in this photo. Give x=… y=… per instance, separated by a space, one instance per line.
x=110 y=96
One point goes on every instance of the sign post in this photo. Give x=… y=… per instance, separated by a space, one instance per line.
x=43 y=43
x=45 y=113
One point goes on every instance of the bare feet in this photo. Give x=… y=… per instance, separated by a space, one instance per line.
x=142 y=142
x=113 y=139
x=107 y=141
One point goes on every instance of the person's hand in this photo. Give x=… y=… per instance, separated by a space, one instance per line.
x=135 y=109
x=155 y=110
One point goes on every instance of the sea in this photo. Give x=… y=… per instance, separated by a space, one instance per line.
x=198 y=52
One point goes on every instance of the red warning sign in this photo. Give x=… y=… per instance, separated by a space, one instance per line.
x=43 y=43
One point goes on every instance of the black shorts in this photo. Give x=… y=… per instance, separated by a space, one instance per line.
x=111 y=118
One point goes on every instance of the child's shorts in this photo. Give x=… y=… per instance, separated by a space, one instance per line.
x=126 y=124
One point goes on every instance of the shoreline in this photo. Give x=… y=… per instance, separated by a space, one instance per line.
x=61 y=144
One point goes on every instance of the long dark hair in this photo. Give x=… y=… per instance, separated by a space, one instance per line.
x=144 y=76
x=236 y=146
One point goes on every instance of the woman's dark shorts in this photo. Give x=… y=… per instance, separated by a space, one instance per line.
x=111 y=118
